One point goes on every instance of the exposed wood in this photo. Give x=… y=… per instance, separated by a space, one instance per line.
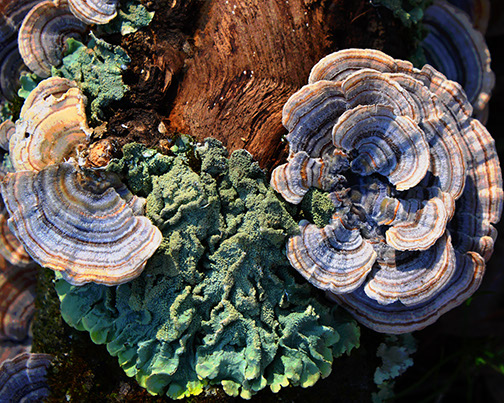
x=225 y=68
x=250 y=57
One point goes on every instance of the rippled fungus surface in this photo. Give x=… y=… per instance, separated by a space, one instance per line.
x=217 y=304
x=415 y=182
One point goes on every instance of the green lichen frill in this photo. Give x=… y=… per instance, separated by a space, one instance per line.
x=218 y=303
x=395 y=353
x=131 y=16
x=98 y=69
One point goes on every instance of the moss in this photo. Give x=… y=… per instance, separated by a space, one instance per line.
x=97 y=67
x=410 y=12
x=218 y=303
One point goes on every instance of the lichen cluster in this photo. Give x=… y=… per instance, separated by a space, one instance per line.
x=395 y=353
x=98 y=68
x=218 y=303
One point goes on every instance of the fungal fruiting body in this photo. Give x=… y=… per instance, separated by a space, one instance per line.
x=43 y=35
x=51 y=126
x=455 y=48
x=23 y=378
x=415 y=182
x=86 y=226
x=11 y=64
x=94 y=11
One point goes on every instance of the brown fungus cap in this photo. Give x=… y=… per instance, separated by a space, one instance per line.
x=17 y=300
x=51 y=127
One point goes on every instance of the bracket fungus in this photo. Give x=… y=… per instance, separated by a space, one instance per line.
x=415 y=182
x=23 y=378
x=43 y=35
x=11 y=64
x=51 y=126
x=94 y=11
x=83 y=224
x=459 y=51
x=17 y=302
x=7 y=129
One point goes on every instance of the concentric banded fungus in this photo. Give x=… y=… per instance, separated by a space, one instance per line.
x=10 y=247
x=94 y=11
x=11 y=64
x=459 y=51
x=80 y=225
x=7 y=129
x=414 y=179
x=23 y=379
x=17 y=298
x=43 y=35
x=52 y=124
x=477 y=10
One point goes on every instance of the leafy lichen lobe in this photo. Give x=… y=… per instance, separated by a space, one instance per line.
x=217 y=304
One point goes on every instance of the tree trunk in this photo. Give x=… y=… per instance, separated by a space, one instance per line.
x=233 y=64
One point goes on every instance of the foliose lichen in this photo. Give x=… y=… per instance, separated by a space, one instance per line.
x=218 y=303
x=410 y=13
x=98 y=68
x=28 y=83
x=131 y=16
x=395 y=353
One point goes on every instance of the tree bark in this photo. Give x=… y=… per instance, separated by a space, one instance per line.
x=225 y=68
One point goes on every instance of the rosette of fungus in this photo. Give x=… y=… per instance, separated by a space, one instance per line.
x=43 y=35
x=94 y=11
x=83 y=224
x=415 y=182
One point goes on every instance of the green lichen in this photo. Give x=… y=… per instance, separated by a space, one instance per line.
x=218 y=303
x=318 y=207
x=395 y=353
x=98 y=69
x=28 y=83
x=131 y=16
x=410 y=12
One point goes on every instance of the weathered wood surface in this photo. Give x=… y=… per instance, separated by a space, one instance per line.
x=225 y=68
